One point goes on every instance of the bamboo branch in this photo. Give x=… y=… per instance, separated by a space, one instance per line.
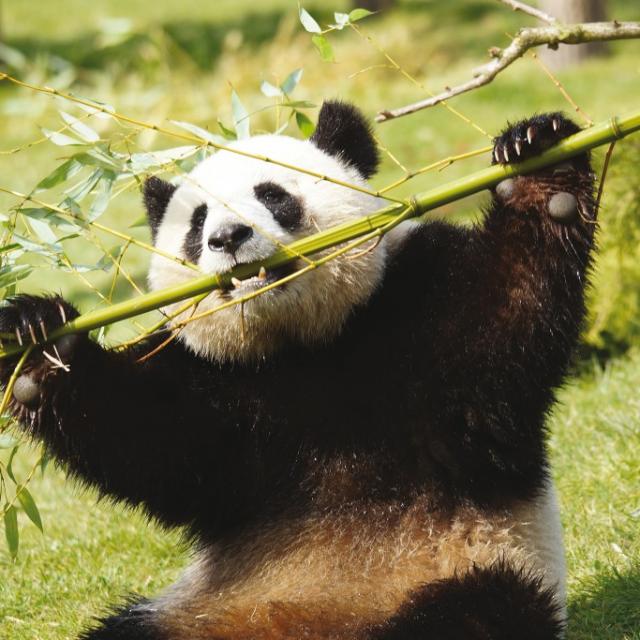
x=525 y=39
x=600 y=134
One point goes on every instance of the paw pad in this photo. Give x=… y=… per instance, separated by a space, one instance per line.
x=506 y=188
x=563 y=207
x=27 y=391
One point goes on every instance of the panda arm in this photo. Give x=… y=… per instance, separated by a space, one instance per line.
x=149 y=433
x=493 y=314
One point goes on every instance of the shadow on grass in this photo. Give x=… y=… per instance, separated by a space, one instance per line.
x=608 y=608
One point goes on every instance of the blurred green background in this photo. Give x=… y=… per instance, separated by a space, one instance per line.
x=167 y=60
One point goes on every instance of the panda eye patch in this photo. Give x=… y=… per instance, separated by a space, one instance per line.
x=193 y=241
x=198 y=216
x=286 y=208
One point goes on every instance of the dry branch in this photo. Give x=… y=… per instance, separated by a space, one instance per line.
x=532 y=11
x=526 y=39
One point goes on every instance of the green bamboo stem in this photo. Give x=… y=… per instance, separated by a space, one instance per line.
x=600 y=134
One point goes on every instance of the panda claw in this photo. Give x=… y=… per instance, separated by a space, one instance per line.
x=518 y=147
x=530 y=135
x=496 y=153
x=44 y=331
x=556 y=124
x=32 y=333
x=262 y=274
x=63 y=315
x=19 y=337
x=506 y=153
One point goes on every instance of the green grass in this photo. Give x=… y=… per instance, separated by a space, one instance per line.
x=595 y=452
x=176 y=63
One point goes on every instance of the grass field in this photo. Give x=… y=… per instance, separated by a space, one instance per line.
x=176 y=62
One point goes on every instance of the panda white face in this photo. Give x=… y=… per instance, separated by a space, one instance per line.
x=234 y=209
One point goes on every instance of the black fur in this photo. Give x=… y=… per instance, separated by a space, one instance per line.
x=499 y=603
x=285 y=207
x=133 y=621
x=440 y=384
x=156 y=194
x=343 y=131
x=193 y=240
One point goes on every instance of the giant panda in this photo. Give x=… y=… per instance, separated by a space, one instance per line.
x=359 y=453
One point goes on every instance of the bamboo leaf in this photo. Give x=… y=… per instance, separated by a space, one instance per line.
x=291 y=81
x=101 y=156
x=240 y=117
x=141 y=221
x=60 y=174
x=142 y=162
x=11 y=531
x=52 y=219
x=61 y=139
x=80 y=128
x=12 y=273
x=270 y=90
x=42 y=248
x=308 y=22
x=226 y=132
x=100 y=202
x=304 y=124
x=342 y=20
x=358 y=14
x=81 y=190
x=324 y=48
x=199 y=132
x=44 y=232
x=9 y=466
x=28 y=504
x=298 y=104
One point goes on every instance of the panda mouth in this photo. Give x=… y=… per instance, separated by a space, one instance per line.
x=264 y=278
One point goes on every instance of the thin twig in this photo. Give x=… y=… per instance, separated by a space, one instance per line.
x=561 y=88
x=532 y=11
x=525 y=39
x=603 y=177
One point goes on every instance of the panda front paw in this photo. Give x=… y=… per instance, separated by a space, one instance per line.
x=30 y=320
x=530 y=137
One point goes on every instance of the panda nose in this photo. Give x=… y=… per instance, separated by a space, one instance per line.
x=229 y=238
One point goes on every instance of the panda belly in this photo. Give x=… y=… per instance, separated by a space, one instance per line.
x=338 y=575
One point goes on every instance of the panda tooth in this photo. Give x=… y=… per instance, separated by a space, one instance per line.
x=262 y=274
x=236 y=283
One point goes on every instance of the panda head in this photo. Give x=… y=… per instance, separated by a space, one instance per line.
x=234 y=209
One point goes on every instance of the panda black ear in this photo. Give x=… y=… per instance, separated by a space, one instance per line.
x=157 y=194
x=344 y=132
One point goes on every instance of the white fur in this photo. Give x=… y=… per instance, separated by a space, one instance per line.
x=541 y=531
x=310 y=308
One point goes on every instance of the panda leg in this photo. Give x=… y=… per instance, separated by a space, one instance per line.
x=134 y=621
x=495 y=603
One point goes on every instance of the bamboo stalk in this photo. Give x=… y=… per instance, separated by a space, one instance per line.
x=600 y=134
